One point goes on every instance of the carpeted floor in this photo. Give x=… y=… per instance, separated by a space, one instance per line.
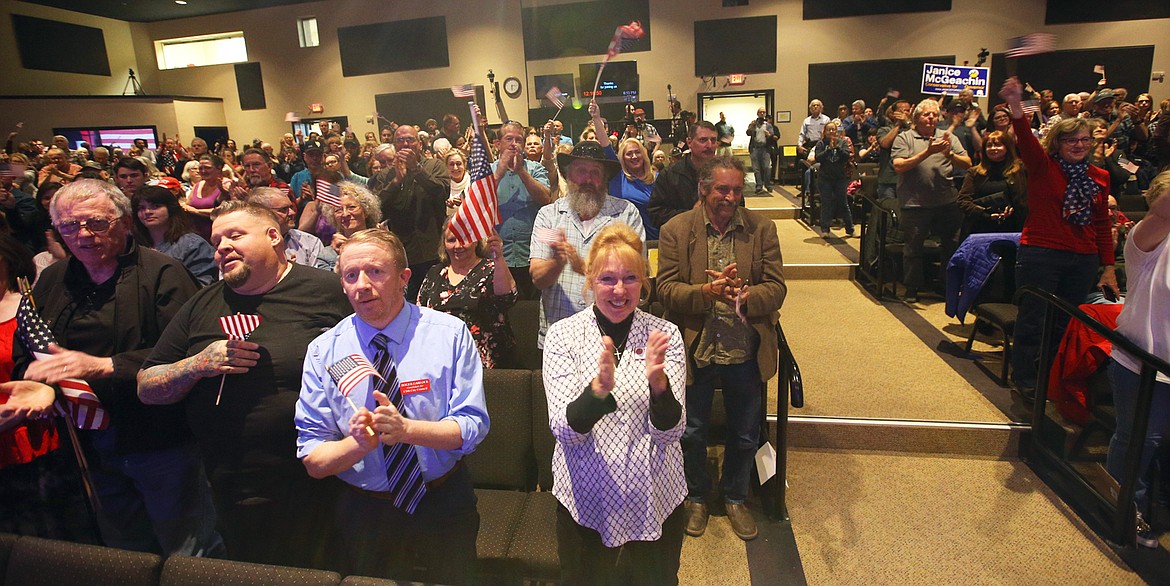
x=899 y=519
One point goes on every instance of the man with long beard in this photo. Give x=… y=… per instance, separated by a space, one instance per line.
x=565 y=229
x=240 y=395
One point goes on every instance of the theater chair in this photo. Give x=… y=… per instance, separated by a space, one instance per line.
x=35 y=562
x=188 y=571
x=524 y=317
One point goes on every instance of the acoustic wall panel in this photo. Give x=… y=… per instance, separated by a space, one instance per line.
x=841 y=83
x=581 y=28
x=49 y=45
x=401 y=45
x=415 y=107
x=735 y=45
x=250 y=85
x=818 y=9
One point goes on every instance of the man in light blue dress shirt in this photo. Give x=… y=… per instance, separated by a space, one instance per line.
x=443 y=416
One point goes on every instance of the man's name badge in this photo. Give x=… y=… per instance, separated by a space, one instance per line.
x=411 y=387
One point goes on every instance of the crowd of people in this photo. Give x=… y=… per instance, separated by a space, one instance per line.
x=282 y=349
x=265 y=353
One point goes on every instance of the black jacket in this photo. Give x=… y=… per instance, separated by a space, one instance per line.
x=137 y=303
x=675 y=191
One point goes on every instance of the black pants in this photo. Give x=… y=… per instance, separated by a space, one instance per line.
x=918 y=223
x=585 y=560
x=418 y=272
x=283 y=520
x=524 y=285
x=382 y=541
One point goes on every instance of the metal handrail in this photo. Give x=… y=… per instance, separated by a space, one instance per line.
x=1123 y=512
x=789 y=390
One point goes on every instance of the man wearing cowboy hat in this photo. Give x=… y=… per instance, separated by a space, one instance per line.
x=557 y=261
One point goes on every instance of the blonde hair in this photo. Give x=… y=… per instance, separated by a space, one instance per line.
x=647 y=170
x=384 y=239
x=1159 y=186
x=371 y=207
x=621 y=242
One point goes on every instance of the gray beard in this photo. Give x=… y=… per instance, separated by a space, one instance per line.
x=585 y=205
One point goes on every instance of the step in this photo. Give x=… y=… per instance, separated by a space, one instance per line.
x=998 y=440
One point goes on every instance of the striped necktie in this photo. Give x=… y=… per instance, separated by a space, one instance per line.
x=402 y=468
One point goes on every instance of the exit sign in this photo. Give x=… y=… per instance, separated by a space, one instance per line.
x=736 y=79
x=316 y=108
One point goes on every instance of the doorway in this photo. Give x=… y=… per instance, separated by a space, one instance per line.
x=740 y=109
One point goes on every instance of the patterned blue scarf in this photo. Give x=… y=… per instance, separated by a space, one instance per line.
x=1080 y=193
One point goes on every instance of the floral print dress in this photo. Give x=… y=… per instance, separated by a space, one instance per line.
x=473 y=302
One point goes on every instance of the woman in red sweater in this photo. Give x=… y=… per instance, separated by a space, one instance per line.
x=1066 y=238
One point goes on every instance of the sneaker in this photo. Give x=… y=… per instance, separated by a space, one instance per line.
x=741 y=520
x=696 y=517
x=911 y=296
x=1145 y=536
x=849 y=234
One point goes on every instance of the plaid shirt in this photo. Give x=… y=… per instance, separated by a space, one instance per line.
x=567 y=296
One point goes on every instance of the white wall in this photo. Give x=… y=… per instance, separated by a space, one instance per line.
x=487 y=35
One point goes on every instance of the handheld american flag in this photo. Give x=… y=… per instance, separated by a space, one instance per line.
x=350 y=371
x=623 y=36
x=554 y=96
x=465 y=91
x=328 y=193
x=477 y=216
x=1033 y=44
x=237 y=327
x=81 y=404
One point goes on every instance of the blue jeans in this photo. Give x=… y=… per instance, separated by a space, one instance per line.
x=158 y=501
x=1125 y=391
x=1068 y=275
x=762 y=167
x=835 y=203
x=743 y=403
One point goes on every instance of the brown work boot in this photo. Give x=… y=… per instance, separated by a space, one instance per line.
x=696 y=517
x=741 y=520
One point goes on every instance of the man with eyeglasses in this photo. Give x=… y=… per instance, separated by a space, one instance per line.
x=522 y=190
x=925 y=157
x=106 y=306
x=413 y=191
x=677 y=189
x=299 y=247
x=721 y=280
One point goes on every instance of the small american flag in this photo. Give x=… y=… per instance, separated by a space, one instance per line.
x=477 y=216
x=350 y=371
x=81 y=404
x=1033 y=44
x=623 y=38
x=240 y=325
x=554 y=96
x=328 y=193
x=1099 y=69
x=464 y=91
x=1031 y=107
x=547 y=235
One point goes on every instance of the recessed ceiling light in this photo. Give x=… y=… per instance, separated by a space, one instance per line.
x=182 y=2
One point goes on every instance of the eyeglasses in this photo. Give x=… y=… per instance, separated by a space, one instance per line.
x=1076 y=141
x=94 y=225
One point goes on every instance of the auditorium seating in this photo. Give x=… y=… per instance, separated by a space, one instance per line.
x=511 y=470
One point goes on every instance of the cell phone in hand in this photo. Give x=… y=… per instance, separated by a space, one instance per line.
x=1108 y=293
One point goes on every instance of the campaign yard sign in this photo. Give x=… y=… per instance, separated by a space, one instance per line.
x=952 y=79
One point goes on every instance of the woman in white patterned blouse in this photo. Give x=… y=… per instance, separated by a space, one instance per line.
x=615 y=378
